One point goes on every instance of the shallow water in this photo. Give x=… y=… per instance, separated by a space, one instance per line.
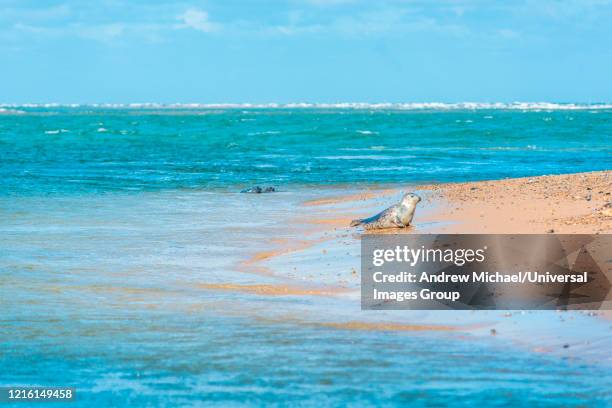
x=107 y=238
x=101 y=292
x=186 y=359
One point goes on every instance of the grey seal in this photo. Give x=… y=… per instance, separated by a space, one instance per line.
x=397 y=216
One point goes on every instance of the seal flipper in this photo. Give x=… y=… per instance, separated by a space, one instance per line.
x=364 y=221
x=398 y=222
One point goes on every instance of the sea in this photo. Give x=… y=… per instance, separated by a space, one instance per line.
x=113 y=218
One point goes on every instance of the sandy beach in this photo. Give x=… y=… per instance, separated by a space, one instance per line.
x=565 y=204
x=322 y=262
x=571 y=203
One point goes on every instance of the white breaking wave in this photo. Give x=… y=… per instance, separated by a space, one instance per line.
x=526 y=106
x=366 y=157
x=382 y=168
x=10 y=111
x=266 y=132
x=56 y=131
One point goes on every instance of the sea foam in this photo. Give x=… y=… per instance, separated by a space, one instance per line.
x=525 y=106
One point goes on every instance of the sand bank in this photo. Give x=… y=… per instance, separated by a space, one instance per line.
x=314 y=267
x=572 y=203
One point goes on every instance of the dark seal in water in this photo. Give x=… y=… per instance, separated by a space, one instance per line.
x=259 y=190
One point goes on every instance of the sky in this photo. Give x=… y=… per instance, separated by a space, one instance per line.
x=255 y=51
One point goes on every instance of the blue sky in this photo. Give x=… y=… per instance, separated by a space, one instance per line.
x=305 y=50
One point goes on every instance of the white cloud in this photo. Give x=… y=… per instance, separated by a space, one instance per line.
x=198 y=20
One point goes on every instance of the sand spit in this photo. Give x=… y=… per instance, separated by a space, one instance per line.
x=565 y=204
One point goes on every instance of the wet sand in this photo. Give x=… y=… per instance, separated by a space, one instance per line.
x=322 y=262
x=575 y=203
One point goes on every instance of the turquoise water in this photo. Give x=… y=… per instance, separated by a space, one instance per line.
x=111 y=219
x=80 y=150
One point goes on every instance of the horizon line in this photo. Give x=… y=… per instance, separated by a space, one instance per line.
x=517 y=105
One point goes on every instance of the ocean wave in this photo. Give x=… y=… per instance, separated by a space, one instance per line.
x=265 y=166
x=419 y=149
x=523 y=106
x=366 y=157
x=266 y=132
x=5 y=111
x=56 y=131
x=510 y=148
x=383 y=168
